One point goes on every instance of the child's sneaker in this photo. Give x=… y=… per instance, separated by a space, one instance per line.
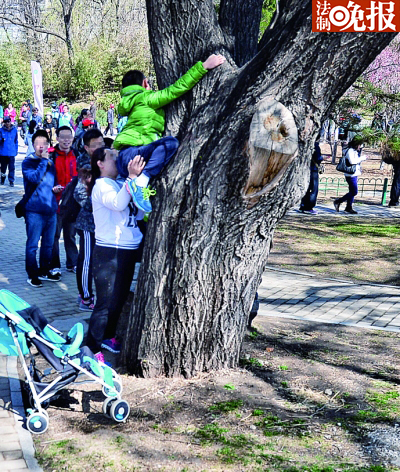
x=140 y=195
x=100 y=357
x=86 y=306
x=111 y=345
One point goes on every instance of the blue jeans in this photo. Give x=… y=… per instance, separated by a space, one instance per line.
x=395 y=190
x=71 y=251
x=156 y=155
x=8 y=161
x=353 y=190
x=39 y=226
x=309 y=200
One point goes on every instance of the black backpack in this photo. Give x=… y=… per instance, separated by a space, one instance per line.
x=69 y=207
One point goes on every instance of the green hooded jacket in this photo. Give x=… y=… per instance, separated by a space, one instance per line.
x=146 y=118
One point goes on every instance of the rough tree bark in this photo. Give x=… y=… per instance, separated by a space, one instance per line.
x=219 y=200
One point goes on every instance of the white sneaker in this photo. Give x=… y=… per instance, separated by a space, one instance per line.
x=56 y=271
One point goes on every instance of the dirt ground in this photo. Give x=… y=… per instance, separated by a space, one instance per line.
x=307 y=397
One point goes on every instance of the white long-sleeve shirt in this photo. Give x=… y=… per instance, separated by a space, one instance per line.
x=354 y=158
x=114 y=215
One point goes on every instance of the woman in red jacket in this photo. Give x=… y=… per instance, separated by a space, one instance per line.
x=11 y=112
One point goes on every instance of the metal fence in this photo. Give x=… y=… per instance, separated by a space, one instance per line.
x=374 y=188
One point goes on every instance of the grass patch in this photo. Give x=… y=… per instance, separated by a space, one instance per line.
x=252 y=362
x=274 y=426
x=366 y=248
x=59 y=453
x=227 y=406
x=386 y=231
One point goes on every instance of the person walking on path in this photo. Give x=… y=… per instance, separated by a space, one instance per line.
x=8 y=150
x=65 y=166
x=354 y=157
x=110 y=121
x=40 y=210
x=309 y=200
x=117 y=246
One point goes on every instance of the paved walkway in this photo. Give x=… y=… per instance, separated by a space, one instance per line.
x=299 y=296
x=282 y=294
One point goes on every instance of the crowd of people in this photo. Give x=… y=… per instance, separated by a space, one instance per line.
x=95 y=187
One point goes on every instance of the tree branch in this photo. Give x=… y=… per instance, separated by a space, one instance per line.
x=291 y=44
x=38 y=29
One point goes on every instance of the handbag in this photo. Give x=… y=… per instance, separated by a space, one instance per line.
x=69 y=207
x=20 y=206
x=345 y=166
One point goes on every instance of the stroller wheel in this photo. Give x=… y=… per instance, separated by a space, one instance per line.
x=119 y=410
x=37 y=423
x=107 y=405
x=108 y=392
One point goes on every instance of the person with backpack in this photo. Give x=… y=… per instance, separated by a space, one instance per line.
x=65 y=165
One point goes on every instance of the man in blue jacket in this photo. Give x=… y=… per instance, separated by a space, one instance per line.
x=40 y=210
x=8 y=150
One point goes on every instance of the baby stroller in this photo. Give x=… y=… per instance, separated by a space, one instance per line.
x=22 y=326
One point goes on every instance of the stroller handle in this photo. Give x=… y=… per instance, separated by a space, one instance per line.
x=72 y=348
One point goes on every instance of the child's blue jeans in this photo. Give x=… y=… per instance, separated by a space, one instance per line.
x=156 y=154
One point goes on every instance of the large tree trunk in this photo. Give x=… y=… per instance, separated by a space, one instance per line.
x=219 y=200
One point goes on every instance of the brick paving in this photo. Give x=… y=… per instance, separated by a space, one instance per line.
x=299 y=296
x=282 y=294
